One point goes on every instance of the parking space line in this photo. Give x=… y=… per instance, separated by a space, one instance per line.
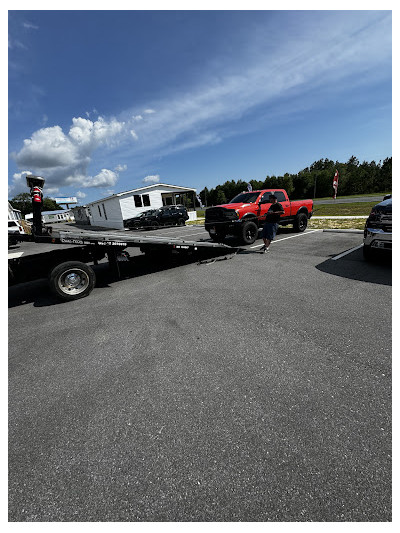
x=291 y=237
x=346 y=252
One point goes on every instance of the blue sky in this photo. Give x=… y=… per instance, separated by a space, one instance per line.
x=105 y=101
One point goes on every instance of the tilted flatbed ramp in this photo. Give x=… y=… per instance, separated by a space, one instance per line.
x=123 y=240
x=69 y=275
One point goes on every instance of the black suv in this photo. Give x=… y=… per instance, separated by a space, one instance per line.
x=378 y=229
x=164 y=216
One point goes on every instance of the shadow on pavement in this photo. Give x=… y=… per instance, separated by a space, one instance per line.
x=38 y=291
x=354 y=266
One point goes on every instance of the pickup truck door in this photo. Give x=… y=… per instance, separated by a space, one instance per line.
x=264 y=204
x=285 y=203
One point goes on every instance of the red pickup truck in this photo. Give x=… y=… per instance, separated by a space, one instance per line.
x=245 y=214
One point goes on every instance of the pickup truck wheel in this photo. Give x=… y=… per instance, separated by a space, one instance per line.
x=300 y=222
x=217 y=237
x=249 y=232
x=181 y=222
x=72 y=280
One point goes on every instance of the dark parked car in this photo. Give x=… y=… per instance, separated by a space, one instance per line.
x=164 y=216
x=378 y=229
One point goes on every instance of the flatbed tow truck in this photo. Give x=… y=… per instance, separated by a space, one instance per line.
x=65 y=266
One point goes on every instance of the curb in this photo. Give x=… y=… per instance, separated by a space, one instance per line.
x=344 y=230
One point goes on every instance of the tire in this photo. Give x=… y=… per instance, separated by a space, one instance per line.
x=72 y=280
x=368 y=253
x=217 y=237
x=249 y=232
x=155 y=224
x=181 y=222
x=300 y=223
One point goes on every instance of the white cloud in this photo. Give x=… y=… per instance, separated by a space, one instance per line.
x=51 y=190
x=80 y=195
x=63 y=158
x=151 y=179
x=14 y=43
x=30 y=26
x=120 y=168
x=322 y=52
x=19 y=182
x=105 y=178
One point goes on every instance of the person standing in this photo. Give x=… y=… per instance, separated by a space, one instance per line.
x=271 y=222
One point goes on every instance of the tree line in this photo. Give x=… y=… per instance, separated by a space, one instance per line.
x=313 y=182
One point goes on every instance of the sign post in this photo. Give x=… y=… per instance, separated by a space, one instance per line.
x=35 y=183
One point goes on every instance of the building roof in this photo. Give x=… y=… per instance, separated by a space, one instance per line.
x=147 y=187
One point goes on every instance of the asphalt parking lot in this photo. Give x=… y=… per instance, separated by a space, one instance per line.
x=249 y=387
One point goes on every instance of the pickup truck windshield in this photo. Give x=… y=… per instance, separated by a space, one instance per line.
x=245 y=198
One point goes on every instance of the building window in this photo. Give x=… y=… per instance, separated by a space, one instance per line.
x=104 y=209
x=146 y=200
x=138 y=200
x=99 y=210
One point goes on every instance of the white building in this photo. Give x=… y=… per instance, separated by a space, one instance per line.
x=81 y=214
x=13 y=214
x=50 y=217
x=111 y=212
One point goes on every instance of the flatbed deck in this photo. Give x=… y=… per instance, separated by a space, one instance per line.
x=119 y=239
x=63 y=256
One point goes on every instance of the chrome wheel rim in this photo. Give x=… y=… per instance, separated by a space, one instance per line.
x=74 y=281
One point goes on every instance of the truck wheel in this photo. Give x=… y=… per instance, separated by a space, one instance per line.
x=217 y=237
x=249 y=232
x=181 y=222
x=368 y=253
x=72 y=280
x=300 y=222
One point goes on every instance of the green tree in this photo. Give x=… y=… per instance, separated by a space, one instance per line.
x=353 y=179
x=385 y=179
x=220 y=196
x=50 y=205
x=23 y=202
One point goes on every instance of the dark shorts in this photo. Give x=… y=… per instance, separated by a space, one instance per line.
x=269 y=230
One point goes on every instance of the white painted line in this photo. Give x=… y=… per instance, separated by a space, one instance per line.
x=340 y=217
x=347 y=252
x=291 y=237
